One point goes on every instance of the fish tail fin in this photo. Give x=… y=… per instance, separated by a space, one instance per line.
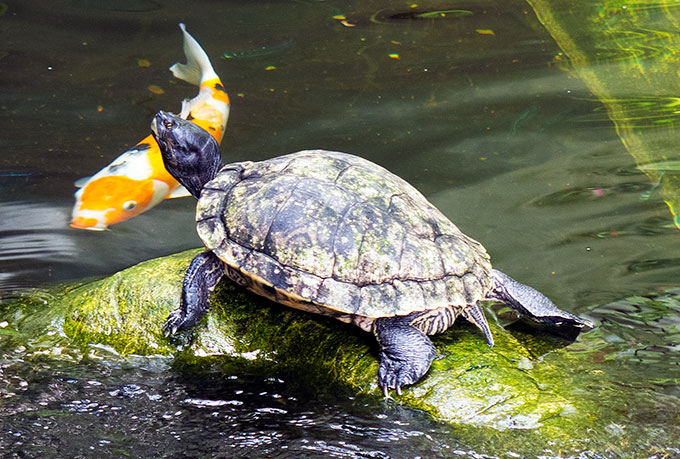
x=198 y=67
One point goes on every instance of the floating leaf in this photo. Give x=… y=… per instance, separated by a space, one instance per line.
x=155 y=89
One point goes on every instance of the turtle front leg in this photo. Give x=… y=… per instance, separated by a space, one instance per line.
x=405 y=353
x=201 y=277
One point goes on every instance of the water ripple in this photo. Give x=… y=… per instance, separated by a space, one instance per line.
x=32 y=235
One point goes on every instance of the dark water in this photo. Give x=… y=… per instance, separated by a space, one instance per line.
x=518 y=153
x=145 y=410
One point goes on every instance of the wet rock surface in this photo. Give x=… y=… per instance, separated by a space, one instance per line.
x=530 y=387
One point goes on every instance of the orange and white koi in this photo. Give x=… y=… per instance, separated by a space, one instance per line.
x=136 y=181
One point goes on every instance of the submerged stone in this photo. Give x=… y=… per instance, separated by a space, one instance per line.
x=530 y=394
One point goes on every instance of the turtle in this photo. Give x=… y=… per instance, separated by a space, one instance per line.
x=335 y=234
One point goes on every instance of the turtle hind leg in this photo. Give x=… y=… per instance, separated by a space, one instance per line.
x=475 y=314
x=532 y=303
x=405 y=353
x=200 y=278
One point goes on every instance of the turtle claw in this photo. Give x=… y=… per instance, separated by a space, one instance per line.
x=173 y=323
x=405 y=353
x=386 y=391
x=393 y=374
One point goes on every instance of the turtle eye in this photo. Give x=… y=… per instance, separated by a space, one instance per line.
x=168 y=124
x=129 y=205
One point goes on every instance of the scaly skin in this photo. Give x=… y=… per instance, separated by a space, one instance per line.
x=406 y=353
x=200 y=279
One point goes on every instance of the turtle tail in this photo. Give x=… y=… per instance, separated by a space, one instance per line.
x=475 y=315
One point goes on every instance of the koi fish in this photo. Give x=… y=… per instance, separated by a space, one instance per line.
x=137 y=180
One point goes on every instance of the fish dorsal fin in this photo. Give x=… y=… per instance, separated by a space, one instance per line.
x=82 y=181
x=179 y=192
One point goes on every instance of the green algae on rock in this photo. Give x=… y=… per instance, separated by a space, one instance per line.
x=526 y=394
x=124 y=310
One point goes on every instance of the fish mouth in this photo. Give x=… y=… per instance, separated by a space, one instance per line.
x=91 y=224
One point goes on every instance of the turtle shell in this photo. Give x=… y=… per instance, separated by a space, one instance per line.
x=339 y=235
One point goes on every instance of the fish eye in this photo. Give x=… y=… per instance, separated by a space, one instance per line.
x=129 y=205
x=169 y=124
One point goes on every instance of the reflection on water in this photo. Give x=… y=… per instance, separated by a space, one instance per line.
x=415 y=14
x=461 y=99
x=627 y=54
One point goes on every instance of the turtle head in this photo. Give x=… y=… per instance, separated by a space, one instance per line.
x=190 y=153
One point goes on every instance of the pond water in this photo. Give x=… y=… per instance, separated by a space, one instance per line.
x=469 y=106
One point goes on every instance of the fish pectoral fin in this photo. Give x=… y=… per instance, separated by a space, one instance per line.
x=179 y=192
x=200 y=103
x=186 y=108
x=82 y=181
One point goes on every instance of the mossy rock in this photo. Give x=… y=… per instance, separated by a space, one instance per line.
x=526 y=390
